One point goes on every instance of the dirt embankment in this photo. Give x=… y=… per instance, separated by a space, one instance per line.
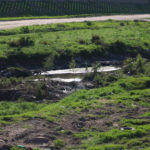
x=14 y=24
x=42 y=134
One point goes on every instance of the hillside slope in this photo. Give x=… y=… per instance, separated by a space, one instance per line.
x=116 y=117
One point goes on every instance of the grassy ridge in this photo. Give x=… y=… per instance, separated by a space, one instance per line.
x=74 y=39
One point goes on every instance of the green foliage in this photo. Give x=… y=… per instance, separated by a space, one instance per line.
x=9 y=82
x=24 y=30
x=135 y=67
x=59 y=143
x=135 y=83
x=124 y=92
x=148 y=148
x=101 y=78
x=21 y=42
x=128 y=66
x=72 y=40
x=118 y=47
x=115 y=134
x=139 y=64
x=107 y=147
x=13 y=108
x=72 y=64
x=49 y=63
x=96 y=40
x=17 y=148
x=129 y=122
x=89 y=23
x=41 y=90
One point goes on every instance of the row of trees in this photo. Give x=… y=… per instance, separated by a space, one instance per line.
x=67 y=7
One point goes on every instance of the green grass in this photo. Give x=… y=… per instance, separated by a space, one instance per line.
x=107 y=147
x=116 y=137
x=114 y=94
x=56 y=17
x=82 y=99
x=9 y=109
x=34 y=17
x=47 y=17
x=63 y=41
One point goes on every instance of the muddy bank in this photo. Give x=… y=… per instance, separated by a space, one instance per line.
x=51 y=85
x=41 y=90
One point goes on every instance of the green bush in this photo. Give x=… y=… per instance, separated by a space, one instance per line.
x=49 y=63
x=107 y=147
x=41 y=90
x=59 y=143
x=96 y=39
x=135 y=67
x=116 y=134
x=135 y=83
x=118 y=47
x=24 y=30
x=21 y=42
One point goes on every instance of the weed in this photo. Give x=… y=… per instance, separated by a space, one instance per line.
x=59 y=143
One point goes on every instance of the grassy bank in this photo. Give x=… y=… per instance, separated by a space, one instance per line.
x=48 y=17
x=124 y=103
x=88 y=40
x=56 y=17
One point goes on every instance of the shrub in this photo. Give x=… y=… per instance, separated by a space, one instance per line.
x=118 y=47
x=21 y=42
x=116 y=134
x=139 y=64
x=96 y=39
x=135 y=83
x=49 y=63
x=60 y=26
x=81 y=41
x=122 y=24
x=17 y=148
x=128 y=66
x=107 y=147
x=89 y=23
x=24 y=30
x=59 y=143
x=41 y=90
x=72 y=64
x=135 y=67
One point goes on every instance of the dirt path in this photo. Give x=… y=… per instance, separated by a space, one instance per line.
x=14 y=24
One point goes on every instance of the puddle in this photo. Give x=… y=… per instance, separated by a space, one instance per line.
x=67 y=80
x=73 y=75
x=79 y=71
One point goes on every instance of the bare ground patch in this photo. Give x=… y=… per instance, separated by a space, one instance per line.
x=39 y=133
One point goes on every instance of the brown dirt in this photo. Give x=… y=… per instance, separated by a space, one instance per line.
x=38 y=133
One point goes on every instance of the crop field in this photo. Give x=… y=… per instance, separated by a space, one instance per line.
x=16 y=8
